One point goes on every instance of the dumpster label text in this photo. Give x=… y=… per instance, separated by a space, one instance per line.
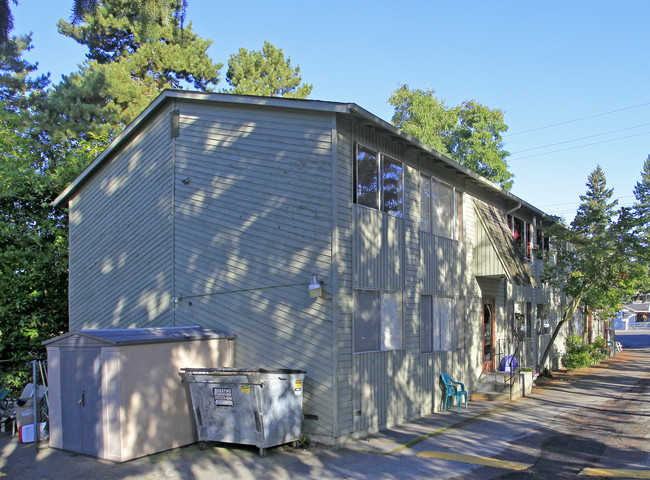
x=245 y=389
x=298 y=389
x=223 y=397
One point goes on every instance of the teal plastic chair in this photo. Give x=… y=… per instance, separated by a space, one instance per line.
x=453 y=390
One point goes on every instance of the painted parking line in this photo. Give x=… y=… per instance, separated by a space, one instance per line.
x=476 y=460
x=615 y=473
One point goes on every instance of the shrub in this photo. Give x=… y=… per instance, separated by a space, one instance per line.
x=579 y=356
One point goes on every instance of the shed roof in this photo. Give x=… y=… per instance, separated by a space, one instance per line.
x=350 y=109
x=133 y=336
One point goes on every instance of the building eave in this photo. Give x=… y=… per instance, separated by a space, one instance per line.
x=364 y=116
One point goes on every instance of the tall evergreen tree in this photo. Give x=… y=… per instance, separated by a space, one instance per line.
x=81 y=8
x=266 y=73
x=590 y=267
x=127 y=66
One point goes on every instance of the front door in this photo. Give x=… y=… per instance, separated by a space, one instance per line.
x=488 y=335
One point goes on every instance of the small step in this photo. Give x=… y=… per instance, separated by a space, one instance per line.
x=496 y=377
x=491 y=396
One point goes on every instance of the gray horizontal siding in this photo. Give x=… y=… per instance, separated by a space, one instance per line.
x=120 y=237
x=253 y=220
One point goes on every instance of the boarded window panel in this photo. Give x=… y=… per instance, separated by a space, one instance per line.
x=426 y=324
x=391 y=321
x=392 y=186
x=366 y=321
x=460 y=323
x=436 y=315
x=442 y=209
x=367 y=178
x=459 y=217
x=446 y=315
x=425 y=203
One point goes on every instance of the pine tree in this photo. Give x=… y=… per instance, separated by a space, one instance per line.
x=591 y=266
x=129 y=62
x=596 y=212
x=266 y=73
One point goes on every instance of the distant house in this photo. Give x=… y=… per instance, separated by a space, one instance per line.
x=634 y=314
x=217 y=210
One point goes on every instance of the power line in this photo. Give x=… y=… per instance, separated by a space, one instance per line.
x=580 y=146
x=577 y=202
x=576 y=120
x=581 y=138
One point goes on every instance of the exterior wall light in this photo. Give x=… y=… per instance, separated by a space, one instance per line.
x=315 y=288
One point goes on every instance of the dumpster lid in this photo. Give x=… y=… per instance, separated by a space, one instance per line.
x=133 y=336
x=239 y=371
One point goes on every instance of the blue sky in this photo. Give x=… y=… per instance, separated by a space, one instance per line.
x=579 y=68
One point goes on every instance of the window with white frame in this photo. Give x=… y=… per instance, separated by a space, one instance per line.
x=543 y=321
x=377 y=320
x=521 y=231
x=523 y=321
x=441 y=208
x=379 y=181
x=542 y=243
x=441 y=323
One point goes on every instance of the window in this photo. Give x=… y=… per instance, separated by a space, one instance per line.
x=441 y=208
x=377 y=321
x=441 y=323
x=523 y=326
x=542 y=243
x=521 y=232
x=543 y=323
x=379 y=181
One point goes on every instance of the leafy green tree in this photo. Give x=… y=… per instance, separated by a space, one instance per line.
x=424 y=116
x=33 y=238
x=126 y=68
x=591 y=268
x=266 y=73
x=471 y=133
x=476 y=142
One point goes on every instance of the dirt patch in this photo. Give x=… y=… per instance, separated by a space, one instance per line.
x=563 y=375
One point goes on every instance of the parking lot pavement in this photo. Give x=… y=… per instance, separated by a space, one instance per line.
x=485 y=441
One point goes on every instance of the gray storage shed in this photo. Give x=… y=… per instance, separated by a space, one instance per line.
x=116 y=394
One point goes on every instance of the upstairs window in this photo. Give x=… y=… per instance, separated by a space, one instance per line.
x=521 y=232
x=379 y=181
x=543 y=244
x=441 y=208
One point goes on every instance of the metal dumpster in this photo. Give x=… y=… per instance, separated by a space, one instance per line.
x=252 y=406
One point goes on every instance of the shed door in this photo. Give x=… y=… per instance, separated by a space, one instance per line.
x=81 y=406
